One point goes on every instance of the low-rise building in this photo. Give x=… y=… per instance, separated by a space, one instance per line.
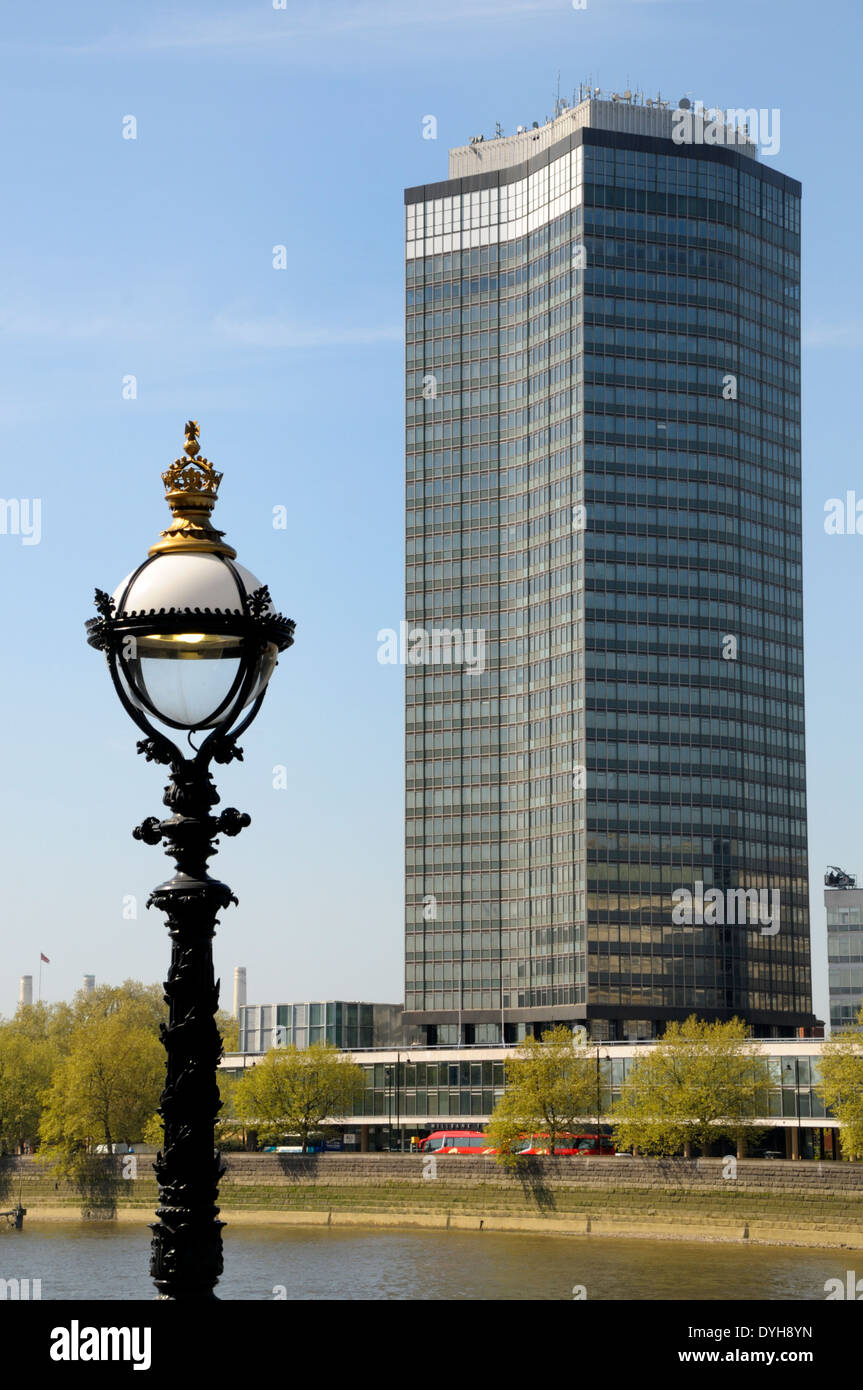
x=409 y=1092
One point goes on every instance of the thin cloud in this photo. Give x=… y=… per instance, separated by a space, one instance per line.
x=33 y=323
x=845 y=335
x=26 y=323
x=282 y=333
x=294 y=25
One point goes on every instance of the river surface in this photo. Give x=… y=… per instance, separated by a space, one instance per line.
x=82 y=1261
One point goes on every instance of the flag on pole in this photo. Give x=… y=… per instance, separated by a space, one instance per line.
x=45 y=958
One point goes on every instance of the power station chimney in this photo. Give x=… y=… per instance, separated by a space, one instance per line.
x=25 y=993
x=89 y=984
x=239 y=989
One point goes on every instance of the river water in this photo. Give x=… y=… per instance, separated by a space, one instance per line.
x=90 y=1261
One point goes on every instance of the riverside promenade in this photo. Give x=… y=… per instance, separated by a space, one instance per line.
x=760 y=1201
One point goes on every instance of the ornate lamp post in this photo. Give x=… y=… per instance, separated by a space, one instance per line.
x=191 y=639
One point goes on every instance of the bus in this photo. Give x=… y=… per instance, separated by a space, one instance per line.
x=572 y=1145
x=456 y=1141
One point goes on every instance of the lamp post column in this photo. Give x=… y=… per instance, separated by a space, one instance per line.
x=187 y=1240
x=191 y=639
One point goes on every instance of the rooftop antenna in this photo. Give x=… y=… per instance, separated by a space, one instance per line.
x=837 y=878
x=498 y=130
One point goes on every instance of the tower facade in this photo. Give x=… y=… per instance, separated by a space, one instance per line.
x=844 y=953
x=605 y=758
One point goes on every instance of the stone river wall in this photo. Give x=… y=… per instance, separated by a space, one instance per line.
x=785 y=1201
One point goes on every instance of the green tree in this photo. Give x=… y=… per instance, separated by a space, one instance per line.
x=154 y=1131
x=230 y=1128
x=841 y=1085
x=38 y=1022
x=105 y=1089
x=229 y=1027
x=26 y=1067
x=140 y=1005
x=551 y=1089
x=58 y=1023
x=701 y=1082
x=294 y=1091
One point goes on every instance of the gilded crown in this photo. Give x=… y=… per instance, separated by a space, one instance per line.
x=192 y=474
x=192 y=490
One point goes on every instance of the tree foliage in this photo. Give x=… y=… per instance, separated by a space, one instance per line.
x=26 y=1066
x=107 y=1087
x=229 y=1028
x=58 y=1023
x=293 y=1091
x=36 y=1044
x=551 y=1090
x=88 y=1072
x=841 y=1085
x=701 y=1082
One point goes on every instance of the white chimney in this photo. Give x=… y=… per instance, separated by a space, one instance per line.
x=239 y=989
x=25 y=993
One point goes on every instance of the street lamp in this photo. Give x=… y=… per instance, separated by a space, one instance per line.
x=388 y=1074
x=191 y=639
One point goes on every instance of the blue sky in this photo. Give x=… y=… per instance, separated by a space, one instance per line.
x=153 y=257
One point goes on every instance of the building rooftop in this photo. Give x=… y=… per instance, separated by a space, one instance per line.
x=629 y=112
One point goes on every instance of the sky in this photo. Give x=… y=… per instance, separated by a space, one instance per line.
x=152 y=258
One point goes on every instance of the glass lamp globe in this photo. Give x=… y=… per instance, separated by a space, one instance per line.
x=191 y=636
x=189 y=678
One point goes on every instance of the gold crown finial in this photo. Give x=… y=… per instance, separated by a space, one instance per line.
x=192 y=490
x=192 y=444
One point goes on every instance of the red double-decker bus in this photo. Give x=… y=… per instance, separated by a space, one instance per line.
x=574 y=1145
x=456 y=1141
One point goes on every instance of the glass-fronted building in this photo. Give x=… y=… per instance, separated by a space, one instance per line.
x=604 y=645
x=409 y=1093
x=339 y=1022
x=844 y=954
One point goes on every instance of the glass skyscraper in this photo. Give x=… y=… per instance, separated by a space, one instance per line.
x=603 y=498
